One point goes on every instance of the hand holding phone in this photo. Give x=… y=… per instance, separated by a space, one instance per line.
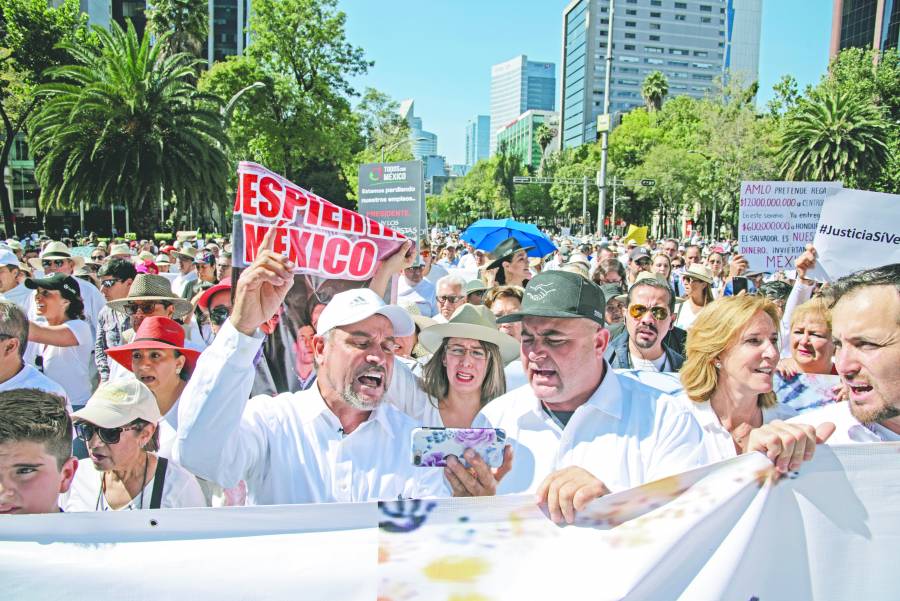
x=432 y=446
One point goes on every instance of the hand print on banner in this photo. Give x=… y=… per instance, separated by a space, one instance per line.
x=404 y=515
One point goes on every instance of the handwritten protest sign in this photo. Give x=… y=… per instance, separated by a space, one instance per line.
x=778 y=220
x=858 y=230
x=320 y=237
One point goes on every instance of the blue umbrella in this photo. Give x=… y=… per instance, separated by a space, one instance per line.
x=486 y=234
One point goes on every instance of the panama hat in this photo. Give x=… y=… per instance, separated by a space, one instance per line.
x=187 y=252
x=121 y=250
x=119 y=403
x=155 y=333
x=475 y=322
x=699 y=272
x=149 y=287
x=56 y=250
x=504 y=252
x=162 y=260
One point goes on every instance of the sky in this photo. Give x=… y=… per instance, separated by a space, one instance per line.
x=440 y=52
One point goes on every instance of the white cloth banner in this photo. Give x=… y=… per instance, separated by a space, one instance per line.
x=725 y=532
x=858 y=229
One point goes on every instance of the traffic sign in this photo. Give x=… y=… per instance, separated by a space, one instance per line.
x=602 y=123
x=648 y=183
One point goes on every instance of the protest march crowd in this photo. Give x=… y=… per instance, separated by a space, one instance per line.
x=131 y=375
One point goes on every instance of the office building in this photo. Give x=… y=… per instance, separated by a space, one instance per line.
x=690 y=42
x=520 y=139
x=865 y=24
x=478 y=139
x=423 y=143
x=517 y=86
x=227 y=29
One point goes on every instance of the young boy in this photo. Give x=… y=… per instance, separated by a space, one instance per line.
x=36 y=462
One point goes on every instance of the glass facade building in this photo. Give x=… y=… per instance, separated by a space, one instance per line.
x=865 y=24
x=519 y=136
x=519 y=85
x=690 y=42
x=478 y=139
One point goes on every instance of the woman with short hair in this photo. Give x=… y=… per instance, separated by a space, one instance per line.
x=810 y=342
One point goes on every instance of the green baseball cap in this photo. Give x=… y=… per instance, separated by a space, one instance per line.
x=560 y=294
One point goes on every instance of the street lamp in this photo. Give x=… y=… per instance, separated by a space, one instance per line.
x=714 y=201
x=229 y=107
x=395 y=145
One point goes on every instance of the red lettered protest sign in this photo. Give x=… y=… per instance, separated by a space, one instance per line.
x=320 y=237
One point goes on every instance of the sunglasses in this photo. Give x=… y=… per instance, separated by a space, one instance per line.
x=145 y=308
x=449 y=298
x=219 y=314
x=53 y=263
x=638 y=311
x=98 y=257
x=107 y=435
x=109 y=283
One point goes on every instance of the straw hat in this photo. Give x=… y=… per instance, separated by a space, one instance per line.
x=699 y=272
x=149 y=287
x=155 y=333
x=475 y=322
x=162 y=260
x=122 y=250
x=187 y=252
x=56 y=250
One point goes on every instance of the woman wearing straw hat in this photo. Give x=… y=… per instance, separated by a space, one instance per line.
x=159 y=360
x=697 y=280
x=464 y=373
x=119 y=427
x=510 y=259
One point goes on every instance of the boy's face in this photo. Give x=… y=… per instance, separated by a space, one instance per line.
x=30 y=480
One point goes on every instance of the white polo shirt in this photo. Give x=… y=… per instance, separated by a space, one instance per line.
x=290 y=448
x=848 y=429
x=626 y=434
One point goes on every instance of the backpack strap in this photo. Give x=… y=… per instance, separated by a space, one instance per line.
x=159 y=479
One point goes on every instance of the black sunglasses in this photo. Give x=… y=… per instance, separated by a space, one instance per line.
x=86 y=432
x=219 y=314
x=110 y=282
x=53 y=263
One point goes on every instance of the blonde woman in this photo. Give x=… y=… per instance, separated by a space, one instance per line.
x=732 y=351
x=809 y=341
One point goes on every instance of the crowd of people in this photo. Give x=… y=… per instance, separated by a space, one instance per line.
x=129 y=373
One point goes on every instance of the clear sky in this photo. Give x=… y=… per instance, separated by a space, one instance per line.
x=440 y=52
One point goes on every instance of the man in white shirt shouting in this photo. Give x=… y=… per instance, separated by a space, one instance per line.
x=335 y=441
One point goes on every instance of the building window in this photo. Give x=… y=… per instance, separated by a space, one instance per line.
x=681 y=5
x=705 y=20
x=630 y=24
x=631 y=12
x=604 y=21
x=678 y=52
x=654 y=38
x=705 y=9
x=701 y=65
x=702 y=53
x=655 y=2
x=680 y=18
x=629 y=59
x=679 y=64
x=653 y=49
x=629 y=46
x=654 y=61
x=654 y=26
x=630 y=36
x=655 y=15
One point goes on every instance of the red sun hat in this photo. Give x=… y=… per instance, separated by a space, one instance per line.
x=167 y=249
x=203 y=302
x=155 y=333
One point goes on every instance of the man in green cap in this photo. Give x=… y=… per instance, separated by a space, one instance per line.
x=578 y=430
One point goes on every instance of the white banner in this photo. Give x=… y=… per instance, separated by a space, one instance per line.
x=724 y=532
x=858 y=230
x=778 y=220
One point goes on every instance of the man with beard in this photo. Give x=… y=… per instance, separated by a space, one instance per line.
x=865 y=326
x=336 y=441
x=649 y=316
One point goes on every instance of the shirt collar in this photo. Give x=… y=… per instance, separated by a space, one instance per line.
x=606 y=398
x=312 y=406
x=705 y=415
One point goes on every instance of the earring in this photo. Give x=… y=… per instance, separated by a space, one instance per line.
x=718 y=364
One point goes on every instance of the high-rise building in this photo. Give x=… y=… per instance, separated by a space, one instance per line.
x=865 y=24
x=227 y=29
x=478 y=139
x=423 y=143
x=690 y=42
x=520 y=137
x=517 y=86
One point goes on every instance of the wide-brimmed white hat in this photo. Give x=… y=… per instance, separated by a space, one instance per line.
x=120 y=250
x=118 y=403
x=475 y=322
x=56 y=250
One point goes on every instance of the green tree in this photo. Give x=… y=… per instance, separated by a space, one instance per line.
x=839 y=137
x=125 y=125
x=654 y=90
x=544 y=135
x=30 y=34
x=187 y=20
x=507 y=165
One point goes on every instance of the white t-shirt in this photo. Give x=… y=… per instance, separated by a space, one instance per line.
x=69 y=366
x=435 y=273
x=686 y=316
x=29 y=377
x=179 y=490
x=640 y=363
x=21 y=296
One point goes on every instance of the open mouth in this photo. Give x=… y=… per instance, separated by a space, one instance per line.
x=371 y=379
x=147 y=380
x=859 y=388
x=764 y=370
x=464 y=377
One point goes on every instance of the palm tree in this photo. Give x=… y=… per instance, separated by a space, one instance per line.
x=654 y=90
x=187 y=20
x=544 y=134
x=507 y=165
x=837 y=136
x=125 y=125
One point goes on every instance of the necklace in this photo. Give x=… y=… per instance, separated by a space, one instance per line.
x=102 y=494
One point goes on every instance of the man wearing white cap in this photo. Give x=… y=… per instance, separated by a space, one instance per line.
x=10 y=287
x=336 y=441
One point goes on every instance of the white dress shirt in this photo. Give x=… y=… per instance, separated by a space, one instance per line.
x=626 y=434
x=422 y=295
x=21 y=296
x=849 y=430
x=406 y=394
x=290 y=448
x=717 y=441
x=180 y=281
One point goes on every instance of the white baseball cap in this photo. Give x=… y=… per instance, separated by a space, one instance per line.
x=7 y=257
x=118 y=403
x=352 y=306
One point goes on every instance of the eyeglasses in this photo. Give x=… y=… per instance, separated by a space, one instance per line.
x=110 y=282
x=145 y=308
x=638 y=311
x=219 y=314
x=449 y=298
x=461 y=351
x=53 y=263
x=86 y=432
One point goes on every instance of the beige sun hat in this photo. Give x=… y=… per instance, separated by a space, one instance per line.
x=56 y=250
x=145 y=255
x=120 y=250
x=149 y=287
x=118 y=403
x=162 y=260
x=186 y=252
x=475 y=322
x=699 y=272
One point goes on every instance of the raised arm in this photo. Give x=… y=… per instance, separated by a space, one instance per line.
x=60 y=335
